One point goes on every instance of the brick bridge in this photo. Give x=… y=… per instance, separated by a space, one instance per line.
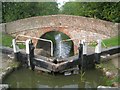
x=72 y=26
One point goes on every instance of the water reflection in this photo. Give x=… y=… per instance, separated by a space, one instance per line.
x=25 y=78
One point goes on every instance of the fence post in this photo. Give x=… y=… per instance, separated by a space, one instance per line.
x=98 y=51
x=16 y=50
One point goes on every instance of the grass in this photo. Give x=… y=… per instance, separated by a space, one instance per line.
x=110 y=42
x=113 y=41
x=6 y=40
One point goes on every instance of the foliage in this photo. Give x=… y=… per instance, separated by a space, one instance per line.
x=18 y=10
x=102 y=10
x=82 y=74
x=14 y=64
x=109 y=66
x=109 y=82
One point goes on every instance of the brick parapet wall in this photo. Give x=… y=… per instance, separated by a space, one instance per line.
x=74 y=22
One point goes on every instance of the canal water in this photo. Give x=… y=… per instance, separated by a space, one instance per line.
x=62 y=49
x=25 y=78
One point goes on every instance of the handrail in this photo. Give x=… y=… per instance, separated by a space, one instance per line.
x=77 y=38
x=69 y=39
x=38 y=39
x=104 y=44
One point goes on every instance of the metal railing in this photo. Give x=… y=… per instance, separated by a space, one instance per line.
x=90 y=42
x=69 y=39
x=104 y=44
x=38 y=39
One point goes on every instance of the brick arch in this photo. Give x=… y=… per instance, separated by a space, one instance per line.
x=59 y=29
x=45 y=30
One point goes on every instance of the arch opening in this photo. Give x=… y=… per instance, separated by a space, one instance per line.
x=60 y=49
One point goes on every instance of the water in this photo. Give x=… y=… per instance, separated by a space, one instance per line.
x=25 y=78
x=62 y=49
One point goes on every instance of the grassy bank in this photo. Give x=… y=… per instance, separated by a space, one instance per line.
x=109 y=42
x=6 y=40
x=113 y=41
x=110 y=66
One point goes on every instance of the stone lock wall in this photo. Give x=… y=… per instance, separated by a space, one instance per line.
x=76 y=27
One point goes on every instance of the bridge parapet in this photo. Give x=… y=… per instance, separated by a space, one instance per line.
x=73 y=26
x=74 y=22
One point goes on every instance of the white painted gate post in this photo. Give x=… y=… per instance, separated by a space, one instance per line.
x=84 y=47
x=15 y=49
x=98 y=51
x=28 y=50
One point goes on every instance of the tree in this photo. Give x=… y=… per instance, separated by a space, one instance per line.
x=102 y=10
x=18 y=10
